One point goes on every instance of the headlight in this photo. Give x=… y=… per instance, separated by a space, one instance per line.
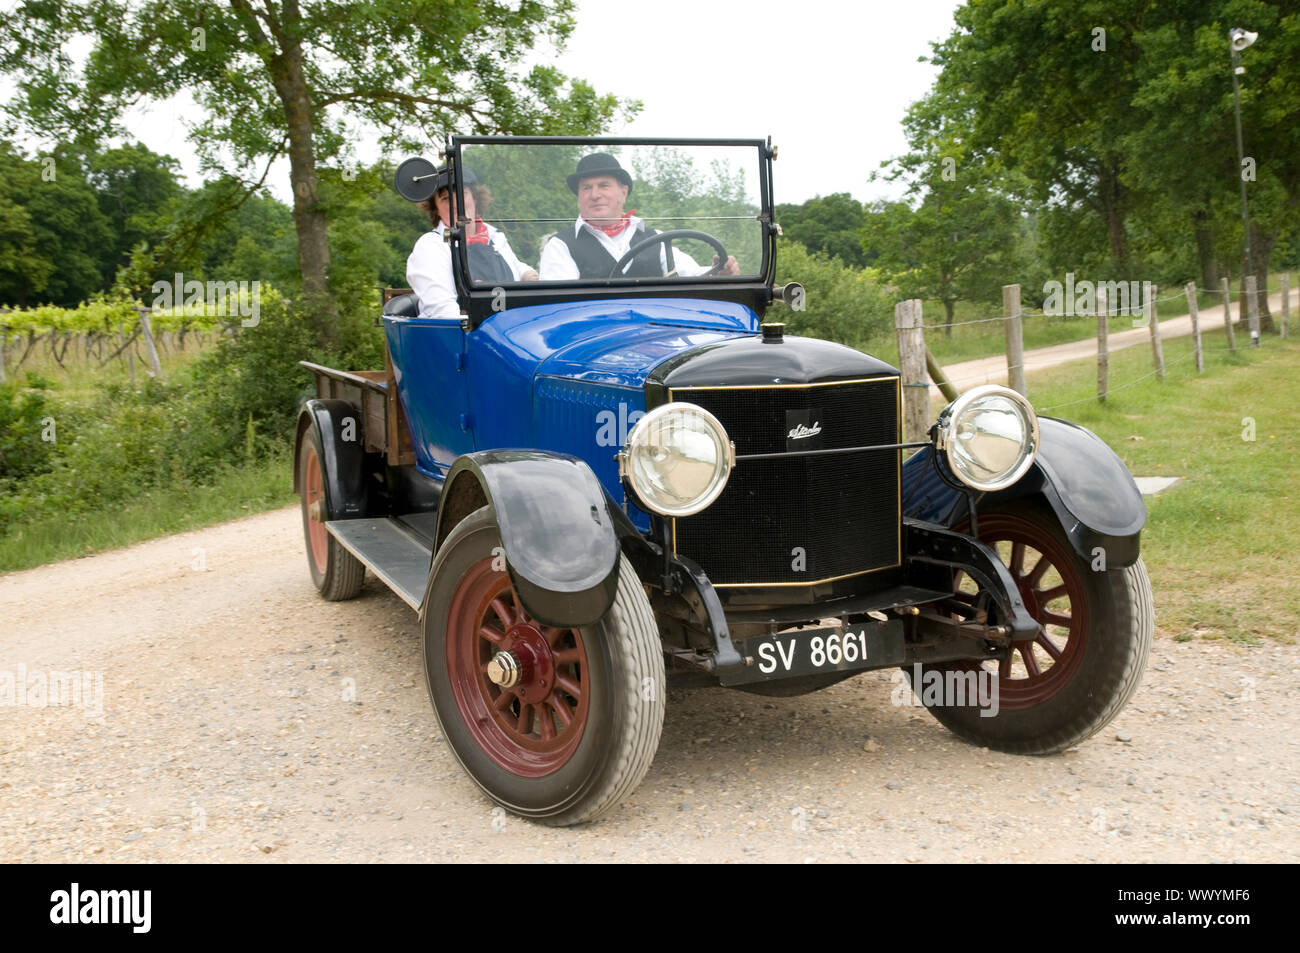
x=677 y=459
x=990 y=436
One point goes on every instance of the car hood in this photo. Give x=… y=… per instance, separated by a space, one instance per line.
x=613 y=342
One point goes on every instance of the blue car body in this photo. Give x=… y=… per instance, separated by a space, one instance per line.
x=567 y=377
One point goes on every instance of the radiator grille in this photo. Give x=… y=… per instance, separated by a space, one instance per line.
x=800 y=519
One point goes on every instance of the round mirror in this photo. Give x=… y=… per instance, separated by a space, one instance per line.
x=417 y=179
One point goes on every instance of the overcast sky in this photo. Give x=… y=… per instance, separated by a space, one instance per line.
x=828 y=81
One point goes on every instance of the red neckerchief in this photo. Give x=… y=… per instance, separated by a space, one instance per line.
x=480 y=236
x=617 y=227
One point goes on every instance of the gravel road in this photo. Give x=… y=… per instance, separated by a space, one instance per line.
x=244 y=719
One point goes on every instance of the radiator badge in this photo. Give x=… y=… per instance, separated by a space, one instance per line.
x=803 y=429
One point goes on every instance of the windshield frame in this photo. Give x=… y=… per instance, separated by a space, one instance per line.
x=480 y=301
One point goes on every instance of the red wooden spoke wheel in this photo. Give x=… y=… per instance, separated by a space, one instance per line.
x=1051 y=582
x=1069 y=682
x=313 y=496
x=522 y=688
x=555 y=723
x=336 y=573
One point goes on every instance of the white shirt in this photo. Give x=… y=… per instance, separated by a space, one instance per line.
x=428 y=271
x=557 y=263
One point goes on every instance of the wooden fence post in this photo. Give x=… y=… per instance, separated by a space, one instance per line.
x=1153 y=321
x=1227 y=316
x=149 y=348
x=1286 y=301
x=1252 y=309
x=1196 y=326
x=911 y=364
x=1103 y=345
x=1015 y=338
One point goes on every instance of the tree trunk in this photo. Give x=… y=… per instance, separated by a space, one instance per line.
x=1112 y=203
x=948 y=306
x=1203 y=229
x=308 y=215
x=1261 y=247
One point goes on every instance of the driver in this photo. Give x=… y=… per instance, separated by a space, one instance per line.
x=604 y=232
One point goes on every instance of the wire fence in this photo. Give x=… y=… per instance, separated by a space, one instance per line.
x=919 y=367
x=1132 y=309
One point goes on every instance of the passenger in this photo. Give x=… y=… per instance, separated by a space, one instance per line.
x=604 y=232
x=491 y=259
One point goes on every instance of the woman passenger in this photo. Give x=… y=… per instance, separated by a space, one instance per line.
x=491 y=259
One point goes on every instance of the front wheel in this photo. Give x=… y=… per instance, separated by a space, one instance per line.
x=1052 y=693
x=555 y=724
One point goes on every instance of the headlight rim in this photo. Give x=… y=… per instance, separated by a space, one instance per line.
x=943 y=441
x=642 y=425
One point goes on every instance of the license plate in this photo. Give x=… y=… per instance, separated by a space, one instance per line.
x=813 y=651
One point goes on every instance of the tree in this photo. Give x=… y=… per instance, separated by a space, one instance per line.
x=1047 y=85
x=280 y=78
x=138 y=192
x=959 y=241
x=1185 y=146
x=54 y=240
x=1119 y=112
x=848 y=305
x=832 y=225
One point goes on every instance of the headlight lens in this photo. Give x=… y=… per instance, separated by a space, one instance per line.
x=990 y=436
x=677 y=459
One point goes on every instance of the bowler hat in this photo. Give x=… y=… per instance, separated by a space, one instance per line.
x=598 y=163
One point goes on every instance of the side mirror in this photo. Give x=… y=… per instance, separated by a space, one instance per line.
x=417 y=179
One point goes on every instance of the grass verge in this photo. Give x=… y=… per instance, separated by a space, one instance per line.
x=235 y=492
x=1219 y=545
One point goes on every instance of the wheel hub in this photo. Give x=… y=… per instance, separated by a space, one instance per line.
x=521 y=687
x=536 y=667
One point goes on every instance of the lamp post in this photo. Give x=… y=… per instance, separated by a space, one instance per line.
x=1238 y=40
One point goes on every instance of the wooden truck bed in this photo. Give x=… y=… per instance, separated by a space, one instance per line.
x=374 y=395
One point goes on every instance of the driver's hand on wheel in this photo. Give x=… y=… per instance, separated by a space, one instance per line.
x=730 y=268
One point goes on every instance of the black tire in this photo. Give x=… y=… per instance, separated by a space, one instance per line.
x=335 y=572
x=1110 y=614
x=619 y=710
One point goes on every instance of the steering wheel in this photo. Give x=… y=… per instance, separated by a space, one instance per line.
x=668 y=236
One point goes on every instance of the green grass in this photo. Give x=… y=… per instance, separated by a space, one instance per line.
x=234 y=493
x=1219 y=546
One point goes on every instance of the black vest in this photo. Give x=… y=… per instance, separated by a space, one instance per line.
x=594 y=261
x=486 y=264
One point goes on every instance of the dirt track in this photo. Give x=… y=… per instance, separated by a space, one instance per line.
x=225 y=735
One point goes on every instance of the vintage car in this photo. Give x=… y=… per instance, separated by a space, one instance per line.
x=625 y=476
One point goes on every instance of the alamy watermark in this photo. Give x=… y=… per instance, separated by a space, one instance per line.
x=953 y=688
x=1079 y=298
x=38 y=689
x=217 y=299
x=613 y=428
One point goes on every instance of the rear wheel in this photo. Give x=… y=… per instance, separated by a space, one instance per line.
x=556 y=724
x=336 y=573
x=1084 y=666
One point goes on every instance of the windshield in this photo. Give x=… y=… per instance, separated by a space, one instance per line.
x=592 y=212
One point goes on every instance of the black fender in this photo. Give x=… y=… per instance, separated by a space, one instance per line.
x=557 y=529
x=1081 y=478
x=347 y=494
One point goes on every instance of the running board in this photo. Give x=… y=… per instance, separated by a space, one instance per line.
x=391 y=550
